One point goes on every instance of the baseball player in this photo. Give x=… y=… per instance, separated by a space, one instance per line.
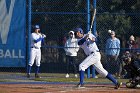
x=87 y=43
x=35 y=55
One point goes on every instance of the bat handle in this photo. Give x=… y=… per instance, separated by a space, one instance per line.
x=89 y=32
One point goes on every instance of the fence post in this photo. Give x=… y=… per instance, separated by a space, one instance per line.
x=29 y=31
x=94 y=32
x=88 y=28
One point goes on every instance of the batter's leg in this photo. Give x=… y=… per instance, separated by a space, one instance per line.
x=84 y=65
x=81 y=76
x=99 y=68
x=117 y=83
x=111 y=78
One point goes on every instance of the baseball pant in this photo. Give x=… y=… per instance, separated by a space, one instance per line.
x=93 y=59
x=35 y=56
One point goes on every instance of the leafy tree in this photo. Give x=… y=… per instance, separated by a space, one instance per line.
x=118 y=15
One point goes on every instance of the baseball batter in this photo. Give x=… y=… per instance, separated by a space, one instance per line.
x=87 y=43
x=35 y=55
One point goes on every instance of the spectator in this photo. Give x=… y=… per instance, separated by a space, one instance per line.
x=130 y=51
x=71 y=53
x=131 y=45
x=112 y=53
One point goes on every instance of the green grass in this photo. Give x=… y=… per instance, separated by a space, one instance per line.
x=54 y=77
x=61 y=78
x=4 y=80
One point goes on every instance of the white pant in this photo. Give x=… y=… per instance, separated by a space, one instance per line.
x=93 y=59
x=35 y=55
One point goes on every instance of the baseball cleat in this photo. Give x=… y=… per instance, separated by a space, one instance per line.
x=80 y=86
x=28 y=75
x=76 y=76
x=37 y=76
x=96 y=76
x=118 y=85
x=67 y=76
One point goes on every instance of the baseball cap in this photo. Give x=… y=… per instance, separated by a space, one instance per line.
x=80 y=30
x=37 y=27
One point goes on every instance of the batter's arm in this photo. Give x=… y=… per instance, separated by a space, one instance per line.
x=80 y=42
x=83 y=39
x=92 y=39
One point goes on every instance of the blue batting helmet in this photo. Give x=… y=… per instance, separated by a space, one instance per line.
x=80 y=30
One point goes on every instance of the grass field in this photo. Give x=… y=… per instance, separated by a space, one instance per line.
x=61 y=78
x=51 y=77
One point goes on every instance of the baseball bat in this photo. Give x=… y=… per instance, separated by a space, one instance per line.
x=93 y=18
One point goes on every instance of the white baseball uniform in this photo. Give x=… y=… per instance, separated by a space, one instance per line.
x=35 y=54
x=93 y=56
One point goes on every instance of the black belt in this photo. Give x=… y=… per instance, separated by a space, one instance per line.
x=35 y=47
x=93 y=52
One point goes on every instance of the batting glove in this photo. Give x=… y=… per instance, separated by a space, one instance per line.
x=43 y=35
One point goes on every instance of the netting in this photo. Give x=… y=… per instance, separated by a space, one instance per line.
x=57 y=17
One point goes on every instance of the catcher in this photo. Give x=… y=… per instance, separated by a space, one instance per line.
x=133 y=67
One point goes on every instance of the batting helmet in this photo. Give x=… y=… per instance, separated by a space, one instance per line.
x=79 y=29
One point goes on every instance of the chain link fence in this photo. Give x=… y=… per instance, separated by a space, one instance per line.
x=58 y=17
